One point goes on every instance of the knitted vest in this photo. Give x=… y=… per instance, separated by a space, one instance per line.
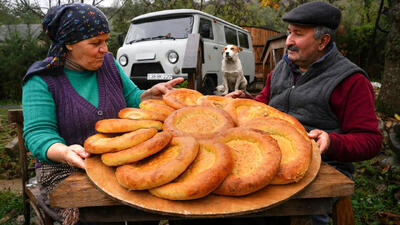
x=75 y=115
x=309 y=100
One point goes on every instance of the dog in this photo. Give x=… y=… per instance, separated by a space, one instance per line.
x=232 y=72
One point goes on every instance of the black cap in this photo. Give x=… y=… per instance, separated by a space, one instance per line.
x=314 y=14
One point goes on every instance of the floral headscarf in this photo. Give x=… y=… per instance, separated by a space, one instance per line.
x=68 y=24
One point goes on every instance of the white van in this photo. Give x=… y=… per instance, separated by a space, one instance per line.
x=154 y=47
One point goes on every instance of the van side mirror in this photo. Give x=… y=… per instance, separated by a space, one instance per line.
x=120 y=39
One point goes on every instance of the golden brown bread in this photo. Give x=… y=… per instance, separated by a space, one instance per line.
x=125 y=125
x=256 y=159
x=156 y=105
x=140 y=114
x=296 y=150
x=182 y=97
x=212 y=164
x=160 y=168
x=198 y=121
x=213 y=101
x=243 y=110
x=137 y=152
x=102 y=143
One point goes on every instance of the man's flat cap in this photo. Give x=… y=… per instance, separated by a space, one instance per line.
x=314 y=14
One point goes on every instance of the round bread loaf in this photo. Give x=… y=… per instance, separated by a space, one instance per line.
x=243 y=110
x=198 y=121
x=181 y=97
x=213 y=101
x=212 y=164
x=140 y=114
x=125 y=125
x=137 y=152
x=256 y=159
x=156 y=105
x=296 y=150
x=102 y=143
x=160 y=168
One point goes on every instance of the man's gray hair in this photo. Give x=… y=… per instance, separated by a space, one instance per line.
x=320 y=31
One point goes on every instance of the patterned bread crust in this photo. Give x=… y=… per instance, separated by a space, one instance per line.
x=103 y=143
x=140 y=114
x=214 y=101
x=243 y=110
x=201 y=122
x=137 y=152
x=160 y=168
x=182 y=97
x=212 y=164
x=296 y=150
x=156 y=105
x=125 y=125
x=256 y=161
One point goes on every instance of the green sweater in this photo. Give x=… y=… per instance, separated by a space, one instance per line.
x=39 y=109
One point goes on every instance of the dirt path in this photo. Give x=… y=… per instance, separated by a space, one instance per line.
x=12 y=185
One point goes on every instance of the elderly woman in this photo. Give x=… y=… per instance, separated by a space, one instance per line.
x=65 y=94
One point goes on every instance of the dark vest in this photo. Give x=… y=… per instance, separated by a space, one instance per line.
x=76 y=116
x=309 y=99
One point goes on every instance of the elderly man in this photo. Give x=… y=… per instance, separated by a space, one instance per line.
x=328 y=94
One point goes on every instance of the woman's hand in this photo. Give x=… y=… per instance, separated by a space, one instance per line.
x=158 y=90
x=322 y=139
x=72 y=155
x=236 y=94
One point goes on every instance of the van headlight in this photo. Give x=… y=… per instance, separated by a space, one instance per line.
x=173 y=57
x=123 y=60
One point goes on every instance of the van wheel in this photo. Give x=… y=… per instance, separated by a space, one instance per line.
x=199 y=72
x=209 y=86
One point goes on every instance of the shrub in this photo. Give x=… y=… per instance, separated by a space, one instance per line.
x=16 y=55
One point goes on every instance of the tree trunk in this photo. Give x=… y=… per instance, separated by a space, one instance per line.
x=389 y=96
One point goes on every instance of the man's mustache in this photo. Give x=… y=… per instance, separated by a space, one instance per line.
x=293 y=48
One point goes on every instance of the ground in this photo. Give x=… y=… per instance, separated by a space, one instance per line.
x=11 y=185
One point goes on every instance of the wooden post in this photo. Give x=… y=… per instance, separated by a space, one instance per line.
x=342 y=213
x=15 y=116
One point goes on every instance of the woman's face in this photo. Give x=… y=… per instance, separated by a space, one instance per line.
x=89 y=53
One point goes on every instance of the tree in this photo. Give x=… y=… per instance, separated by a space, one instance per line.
x=388 y=99
x=235 y=11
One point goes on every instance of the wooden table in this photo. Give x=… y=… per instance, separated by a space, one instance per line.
x=94 y=205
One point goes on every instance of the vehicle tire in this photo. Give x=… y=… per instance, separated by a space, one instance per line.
x=199 y=72
x=209 y=85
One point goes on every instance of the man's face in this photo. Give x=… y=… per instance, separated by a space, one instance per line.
x=302 y=47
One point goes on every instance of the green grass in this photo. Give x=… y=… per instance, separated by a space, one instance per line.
x=375 y=191
x=9 y=166
x=10 y=206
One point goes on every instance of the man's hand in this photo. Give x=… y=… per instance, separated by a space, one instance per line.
x=322 y=139
x=236 y=94
x=158 y=90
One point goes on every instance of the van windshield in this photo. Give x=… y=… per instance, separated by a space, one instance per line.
x=161 y=28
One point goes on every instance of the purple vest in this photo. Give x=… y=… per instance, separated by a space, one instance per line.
x=75 y=115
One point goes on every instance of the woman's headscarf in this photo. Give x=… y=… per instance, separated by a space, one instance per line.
x=68 y=24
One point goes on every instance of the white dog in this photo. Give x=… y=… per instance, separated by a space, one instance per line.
x=232 y=73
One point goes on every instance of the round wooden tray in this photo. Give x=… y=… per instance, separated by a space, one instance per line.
x=210 y=206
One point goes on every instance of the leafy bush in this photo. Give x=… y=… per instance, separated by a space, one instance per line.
x=16 y=55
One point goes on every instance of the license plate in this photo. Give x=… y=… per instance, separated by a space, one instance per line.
x=159 y=76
